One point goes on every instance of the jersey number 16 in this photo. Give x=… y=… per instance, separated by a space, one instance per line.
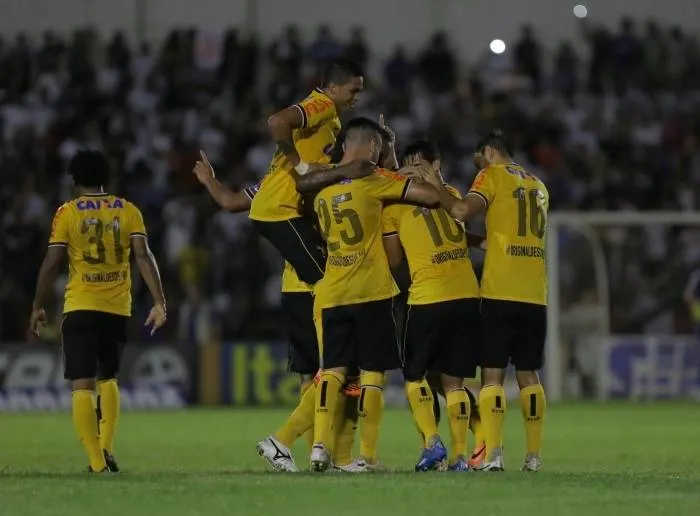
x=529 y=204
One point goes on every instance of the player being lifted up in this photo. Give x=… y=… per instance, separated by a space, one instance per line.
x=98 y=231
x=443 y=308
x=354 y=300
x=513 y=290
x=305 y=134
x=297 y=305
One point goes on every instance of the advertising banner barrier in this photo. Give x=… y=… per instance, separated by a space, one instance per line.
x=153 y=376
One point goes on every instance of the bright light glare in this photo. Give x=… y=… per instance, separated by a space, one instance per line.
x=497 y=46
x=580 y=11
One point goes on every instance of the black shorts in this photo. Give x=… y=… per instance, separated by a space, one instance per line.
x=512 y=332
x=363 y=334
x=92 y=344
x=441 y=337
x=299 y=243
x=303 y=347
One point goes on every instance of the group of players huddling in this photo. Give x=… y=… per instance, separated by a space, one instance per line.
x=341 y=229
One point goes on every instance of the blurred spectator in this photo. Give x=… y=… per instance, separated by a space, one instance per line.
x=325 y=47
x=437 y=65
x=618 y=130
x=357 y=48
x=528 y=56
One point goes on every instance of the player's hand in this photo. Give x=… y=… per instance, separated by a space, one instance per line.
x=37 y=320
x=416 y=172
x=389 y=131
x=433 y=177
x=156 y=318
x=203 y=169
x=359 y=169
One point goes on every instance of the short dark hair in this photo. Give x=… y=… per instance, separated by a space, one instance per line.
x=497 y=140
x=89 y=169
x=340 y=71
x=368 y=127
x=426 y=149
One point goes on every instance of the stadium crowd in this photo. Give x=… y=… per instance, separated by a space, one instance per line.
x=609 y=124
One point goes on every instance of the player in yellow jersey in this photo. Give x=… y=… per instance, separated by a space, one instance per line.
x=99 y=232
x=354 y=300
x=513 y=290
x=443 y=306
x=305 y=134
x=297 y=305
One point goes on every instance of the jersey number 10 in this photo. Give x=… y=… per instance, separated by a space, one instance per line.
x=529 y=201
x=450 y=229
x=96 y=229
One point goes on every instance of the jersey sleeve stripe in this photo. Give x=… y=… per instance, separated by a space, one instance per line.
x=304 y=118
x=479 y=194
x=249 y=193
x=137 y=234
x=390 y=234
x=58 y=244
x=405 y=188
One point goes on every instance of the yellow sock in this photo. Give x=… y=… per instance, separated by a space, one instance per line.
x=492 y=406
x=345 y=427
x=301 y=420
x=326 y=402
x=458 y=410
x=309 y=434
x=86 y=427
x=108 y=392
x=371 y=410
x=420 y=398
x=534 y=406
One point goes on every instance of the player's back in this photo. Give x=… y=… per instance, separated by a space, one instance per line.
x=277 y=198
x=516 y=221
x=436 y=250
x=350 y=217
x=96 y=229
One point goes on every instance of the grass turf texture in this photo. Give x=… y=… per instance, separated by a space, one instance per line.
x=617 y=459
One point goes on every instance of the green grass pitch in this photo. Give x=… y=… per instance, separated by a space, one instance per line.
x=616 y=459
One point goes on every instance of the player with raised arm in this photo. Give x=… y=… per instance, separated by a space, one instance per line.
x=354 y=300
x=513 y=290
x=443 y=298
x=99 y=232
x=297 y=304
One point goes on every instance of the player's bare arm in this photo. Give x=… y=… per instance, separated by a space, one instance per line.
x=393 y=250
x=461 y=209
x=281 y=125
x=148 y=267
x=47 y=275
x=422 y=193
x=319 y=179
x=389 y=160
x=228 y=199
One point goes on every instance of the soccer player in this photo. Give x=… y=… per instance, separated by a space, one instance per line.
x=513 y=290
x=305 y=134
x=355 y=297
x=297 y=304
x=443 y=298
x=98 y=231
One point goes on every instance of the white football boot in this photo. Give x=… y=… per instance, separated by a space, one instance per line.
x=533 y=463
x=320 y=458
x=277 y=455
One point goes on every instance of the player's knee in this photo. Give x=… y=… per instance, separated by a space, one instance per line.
x=451 y=383
x=526 y=378
x=83 y=384
x=372 y=379
x=491 y=376
x=412 y=376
